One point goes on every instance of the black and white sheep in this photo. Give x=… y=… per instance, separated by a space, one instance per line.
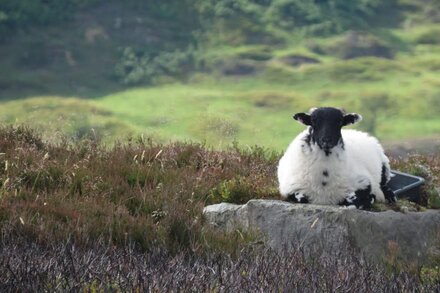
x=327 y=165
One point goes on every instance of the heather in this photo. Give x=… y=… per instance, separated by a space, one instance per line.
x=62 y=267
x=82 y=215
x=137 y=191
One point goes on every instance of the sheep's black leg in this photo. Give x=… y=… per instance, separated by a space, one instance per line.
x=389 y=194
x=298 y=197
x=361 y=199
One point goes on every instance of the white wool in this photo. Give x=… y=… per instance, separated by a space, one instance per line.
x=352 y=167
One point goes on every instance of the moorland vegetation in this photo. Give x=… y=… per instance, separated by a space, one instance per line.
x=122 y=120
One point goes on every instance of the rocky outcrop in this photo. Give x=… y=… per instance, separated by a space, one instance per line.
x=412 y=236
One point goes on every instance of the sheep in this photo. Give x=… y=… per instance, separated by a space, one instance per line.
x=327 y=165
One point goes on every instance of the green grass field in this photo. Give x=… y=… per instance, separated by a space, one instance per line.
x=400 y=93
x=399 y=97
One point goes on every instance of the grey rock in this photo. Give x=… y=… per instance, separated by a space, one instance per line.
x=415 y=235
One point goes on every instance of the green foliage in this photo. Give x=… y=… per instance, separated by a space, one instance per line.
x=422 y=11
x=241 y=21
x=240 y=190
x=18 y=14
x=140 y=67
x=356 y=44
x=237 y=190
x=24 y=13
x=225 y=21
x=427 y=168
x=430 y=275
x=182 y=12
x=229 y=21
x=433 y=195
x=430 y=36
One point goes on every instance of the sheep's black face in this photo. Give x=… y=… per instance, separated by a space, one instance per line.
x=326 y=124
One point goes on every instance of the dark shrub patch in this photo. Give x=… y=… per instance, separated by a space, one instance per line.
x=256 y=54
x=359 y=44
x=297 y=60
x=238 y=67
x=429 y=37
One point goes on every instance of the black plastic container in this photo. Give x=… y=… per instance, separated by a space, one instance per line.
x=406 y=186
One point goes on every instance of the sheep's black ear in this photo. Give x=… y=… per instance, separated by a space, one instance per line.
x=351 y=118
x=303 y=118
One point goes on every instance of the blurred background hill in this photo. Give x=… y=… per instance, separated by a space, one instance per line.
x=219 y=71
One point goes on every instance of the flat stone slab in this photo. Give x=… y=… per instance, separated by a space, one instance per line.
x=415 y=236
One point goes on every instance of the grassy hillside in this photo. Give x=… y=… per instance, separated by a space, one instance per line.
x=77 y=75
x=399 y=98
x=111 y=70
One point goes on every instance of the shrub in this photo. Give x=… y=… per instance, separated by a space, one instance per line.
x=137 y=67
x=356 y=70
x=429 y=37
x=237 y=67
x=237 y=190
x=20 y=14
x=359 y=44
x=426 y=167
x=256 y=54
x=430 y=275
x=139 y=192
